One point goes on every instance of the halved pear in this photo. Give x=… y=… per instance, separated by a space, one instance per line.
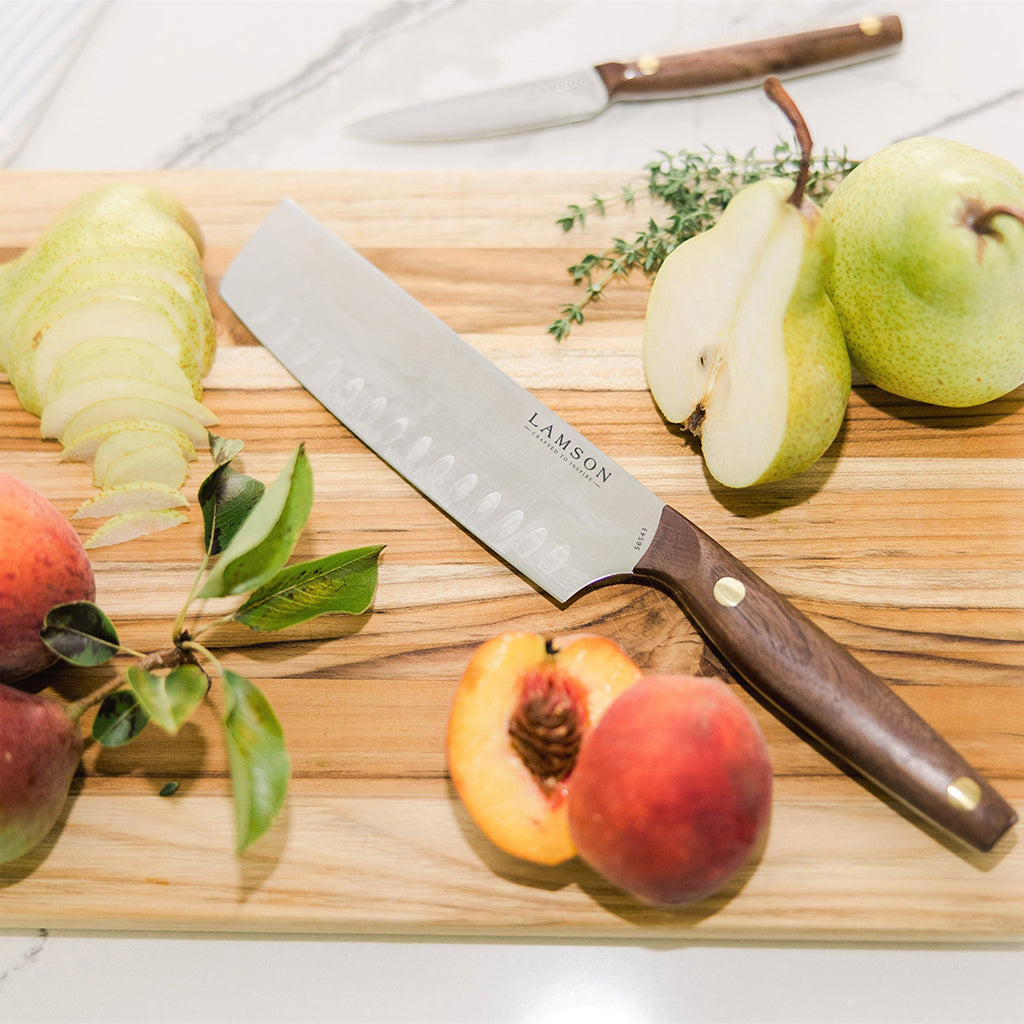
x=129 y=440
x=136 y=497
x=69 y=403
x=96 y=358
x=129 y=525
x=110 y=410
x=741 y=343
x=157 y=463
x=86 y=444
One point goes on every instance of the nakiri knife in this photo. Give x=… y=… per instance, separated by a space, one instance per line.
x=554 y=507
x=581 y=95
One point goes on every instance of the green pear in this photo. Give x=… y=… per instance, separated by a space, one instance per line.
x=40 y=748
x=741 y=344
x=928 y=279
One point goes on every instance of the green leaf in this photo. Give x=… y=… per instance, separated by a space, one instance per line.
x=343 y=582
x=226 y=498
x=268 y=536
x=259 y=761
x=119 y=720
x=169 y=700
x=81 y=633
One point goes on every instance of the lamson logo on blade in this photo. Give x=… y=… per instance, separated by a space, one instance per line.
x=568 y=448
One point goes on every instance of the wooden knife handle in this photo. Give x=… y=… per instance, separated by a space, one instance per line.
x=725 y=67
x=794 y=665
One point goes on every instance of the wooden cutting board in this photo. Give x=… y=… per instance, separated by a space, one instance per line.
x=905 y=542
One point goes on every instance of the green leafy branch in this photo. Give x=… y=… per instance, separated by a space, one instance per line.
x=251 y=530
x=696 y=187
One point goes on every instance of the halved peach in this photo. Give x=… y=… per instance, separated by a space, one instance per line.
x=515 y=728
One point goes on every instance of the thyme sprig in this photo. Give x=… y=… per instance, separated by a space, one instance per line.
x=696 y=187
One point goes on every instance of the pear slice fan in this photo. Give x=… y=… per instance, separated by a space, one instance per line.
x=741 y=344
x=106 y=334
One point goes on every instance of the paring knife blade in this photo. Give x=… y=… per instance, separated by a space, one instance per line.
x=565 y=515
x=581 y=95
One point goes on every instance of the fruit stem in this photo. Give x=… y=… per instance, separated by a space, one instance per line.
x=982 y=222
x=78 y=708
x=782 y=99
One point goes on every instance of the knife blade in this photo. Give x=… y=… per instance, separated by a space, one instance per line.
x=554 y=507
x=581 y=95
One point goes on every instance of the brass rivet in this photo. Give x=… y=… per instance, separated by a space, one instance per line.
x=648 y=64
x=729 y=591
x=964 y=793
x=871 y=26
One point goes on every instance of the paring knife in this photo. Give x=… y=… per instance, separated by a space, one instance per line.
x=553 y=506
x=582 y=95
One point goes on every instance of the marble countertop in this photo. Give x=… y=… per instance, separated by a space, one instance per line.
x=272 y=85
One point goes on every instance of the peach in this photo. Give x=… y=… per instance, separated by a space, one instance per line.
x=672 y=789
x=517 y=720
x=42 y=563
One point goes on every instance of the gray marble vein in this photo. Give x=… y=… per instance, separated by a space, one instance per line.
x=227 y=124
x=28 y=956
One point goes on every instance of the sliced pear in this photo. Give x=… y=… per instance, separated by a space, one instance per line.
x=109 y=410
x=31 y=362
x=157 y=463
x=68 y=404
x=86 y=445
x=136 y=219
x=74 y=291
x=135 y=497
x=742 y=345
x=129 y=525
x=35 y=272
x=97 y=358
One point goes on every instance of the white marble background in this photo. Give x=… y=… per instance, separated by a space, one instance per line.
x=271 y=84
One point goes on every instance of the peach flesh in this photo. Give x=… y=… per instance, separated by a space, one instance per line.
x=672 y=790
x=520 y=707
x=42 y=563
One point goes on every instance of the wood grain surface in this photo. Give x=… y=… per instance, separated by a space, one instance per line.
x=905 y=543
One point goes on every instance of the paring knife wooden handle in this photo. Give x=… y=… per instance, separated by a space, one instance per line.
x=725 y=67
x=798 y=668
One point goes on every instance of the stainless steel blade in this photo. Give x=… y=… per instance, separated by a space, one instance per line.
x=492 y=456
x=502 y=111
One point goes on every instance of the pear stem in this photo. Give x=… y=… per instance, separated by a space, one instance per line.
x=778 y=95
x=79 y=707
x=982 y=223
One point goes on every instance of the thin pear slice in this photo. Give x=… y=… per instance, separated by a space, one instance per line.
x=108 y=316
x=109 y=410
x=136 y=497
x=741 y=343
x=96 y=358
x=155 y=463
x=86 y=445
x=122 y=443
x=68 y=404
x=130 y=525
